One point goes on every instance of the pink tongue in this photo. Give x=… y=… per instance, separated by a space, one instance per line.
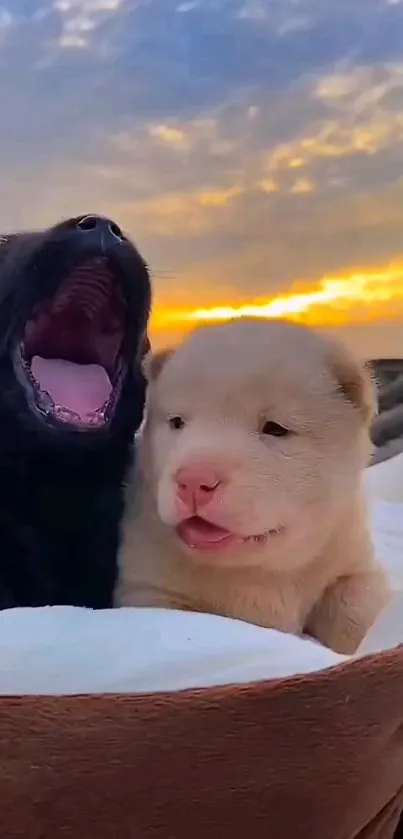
x=198 y=533
x=81 y=388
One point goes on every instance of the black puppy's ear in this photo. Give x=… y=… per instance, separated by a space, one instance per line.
x=154 y=362
x=355 y=382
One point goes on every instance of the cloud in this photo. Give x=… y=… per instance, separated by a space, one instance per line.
x=182 y=214
x=174 y=137
x=267 y=185
x=6 y=20
x=80 y=18
x=301 y=186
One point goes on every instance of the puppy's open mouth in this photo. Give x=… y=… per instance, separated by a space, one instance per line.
x=201 y=535
x=73 y=347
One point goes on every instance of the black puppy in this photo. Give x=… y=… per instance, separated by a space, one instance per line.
x=74 y=306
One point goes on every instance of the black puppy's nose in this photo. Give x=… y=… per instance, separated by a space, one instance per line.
x=107 y=231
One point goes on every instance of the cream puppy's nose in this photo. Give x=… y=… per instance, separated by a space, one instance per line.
x=196 y=484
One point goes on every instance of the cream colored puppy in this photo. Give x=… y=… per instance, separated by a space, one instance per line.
x=247 y=496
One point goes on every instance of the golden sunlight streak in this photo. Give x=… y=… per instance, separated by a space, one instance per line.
x=363 y=296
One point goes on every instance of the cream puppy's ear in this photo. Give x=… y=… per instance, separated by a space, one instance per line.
x=154 y=362
x=355 y=382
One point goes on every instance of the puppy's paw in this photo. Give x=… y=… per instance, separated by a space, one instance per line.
x=348 y=609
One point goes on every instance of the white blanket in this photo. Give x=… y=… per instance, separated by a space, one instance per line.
x=63 y=650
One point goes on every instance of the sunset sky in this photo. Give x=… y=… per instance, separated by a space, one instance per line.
x=253 y=149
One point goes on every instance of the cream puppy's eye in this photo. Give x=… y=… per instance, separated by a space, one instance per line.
x=176 y=423
x=273 y=429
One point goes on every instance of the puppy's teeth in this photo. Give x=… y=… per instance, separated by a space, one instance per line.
x=95 y=418
x=66 y=415
x=46 y=401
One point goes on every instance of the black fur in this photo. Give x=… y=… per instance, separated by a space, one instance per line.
x=61 y=489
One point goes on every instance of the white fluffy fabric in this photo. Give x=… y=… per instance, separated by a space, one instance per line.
x=64 y=650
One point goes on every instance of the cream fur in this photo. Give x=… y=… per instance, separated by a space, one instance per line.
x=315 y=570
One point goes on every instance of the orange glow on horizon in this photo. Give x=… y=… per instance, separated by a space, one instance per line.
x=363 y=296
